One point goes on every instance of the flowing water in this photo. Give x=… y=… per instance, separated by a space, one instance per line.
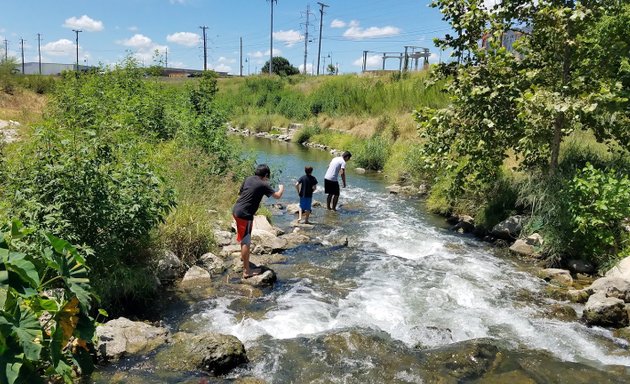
x=382 y=309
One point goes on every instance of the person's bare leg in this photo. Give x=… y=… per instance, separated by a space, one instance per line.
x=334 y=202
x=328 y=200
x=306 y=215
x=299 y=215
x=247 y=272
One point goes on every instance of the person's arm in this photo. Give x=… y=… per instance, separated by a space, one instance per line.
x=297 y=187
x=279 y=192
x=342 y=172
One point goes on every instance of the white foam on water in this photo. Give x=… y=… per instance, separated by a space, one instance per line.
x=420 y=285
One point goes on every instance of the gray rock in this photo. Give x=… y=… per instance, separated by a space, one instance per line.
x=560 y=276
x=509 y=228
x=169 y=267
x=212 y=263
x=394 y=189
x=580 y=266
x=605 y=311
x=196 y=273
x=265 y=279
x=622 y=269
x=267 y=242
x=293 y=209
x=122 y=337
x=211 y=352
x=612 y=287
x=360 y=170
x=223 y=238
x=464 y=223
x=521 y=247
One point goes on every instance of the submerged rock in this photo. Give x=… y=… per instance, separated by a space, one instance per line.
x=605 y=311
x=508 y=229
x=461 y=361
x=210 y=352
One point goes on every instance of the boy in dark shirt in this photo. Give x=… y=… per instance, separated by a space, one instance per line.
x=251 y=193
x=305 y=186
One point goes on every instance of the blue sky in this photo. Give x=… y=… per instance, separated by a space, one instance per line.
x=113 y=29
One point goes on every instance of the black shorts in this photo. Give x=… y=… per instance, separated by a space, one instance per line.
x=331 y=187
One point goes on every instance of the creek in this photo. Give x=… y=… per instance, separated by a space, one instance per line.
x=404 y=294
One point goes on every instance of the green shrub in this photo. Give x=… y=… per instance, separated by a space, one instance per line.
x=303 y=135
x=600 y=201
x=45 y=300
x=372 y=153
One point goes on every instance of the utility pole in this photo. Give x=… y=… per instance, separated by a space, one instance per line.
x=321 y=22
x=22 y=44
x=76 y=31
x=39 y=51
x=166 y=58
x=205 y=51
x=6 y=50
x=308 y=12
x=241 y=57
x=271 y=39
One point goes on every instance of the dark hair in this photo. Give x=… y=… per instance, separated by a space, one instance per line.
x=262 y=170
x=308 y=169
x=346 y=155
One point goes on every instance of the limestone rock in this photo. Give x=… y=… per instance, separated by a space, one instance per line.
x=122 y=337
x=223 y=238
x=196 y=273
x=212 y=263
x=521 y=247
x=394 y=189
x=612 y=287
x=360 y=170
x=293 y=209
x=559 y=276
x=622 y=269
x=605 y=311
x=265 y=279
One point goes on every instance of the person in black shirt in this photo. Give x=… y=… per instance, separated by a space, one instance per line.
x=305 y=186
x=251 y=193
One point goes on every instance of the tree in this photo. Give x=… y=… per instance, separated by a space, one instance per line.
x=332 y=70
x=563 y=76
x=281 y=67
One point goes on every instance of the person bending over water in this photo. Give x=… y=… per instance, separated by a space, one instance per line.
x=251 y=193
x=336 y=168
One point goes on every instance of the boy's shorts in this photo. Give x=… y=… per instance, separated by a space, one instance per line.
x=243 y=230
x=305 y=203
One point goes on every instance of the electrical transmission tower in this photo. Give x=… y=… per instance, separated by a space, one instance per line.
x=321 y=22
x=306 y=26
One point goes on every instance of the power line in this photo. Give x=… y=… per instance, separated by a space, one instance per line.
x=271 y=39
x=39 y=51
x=22 y=44
x=321 y=22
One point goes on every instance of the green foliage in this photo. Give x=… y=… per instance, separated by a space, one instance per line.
x=38 y=84
x=45 y=299
x=600 y=201
x=304 y=135
x=280 y=67
x=8 y=77
x=372 y=153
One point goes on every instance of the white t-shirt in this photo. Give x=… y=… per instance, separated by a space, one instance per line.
x=333 y=169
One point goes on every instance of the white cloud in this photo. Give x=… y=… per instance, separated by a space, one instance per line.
x=177 y=1
x=133 y=28
x=260 y=54
x=222 y=68
x=289 y=38
x=434 y=58
x=188 y=39
x=176 y=64
x=372 y=61
x=337 y=24
x=225 y=60
x=356 y=32
x=137 y=41
x=84 y=23
x=62 y=47
x=309 y=68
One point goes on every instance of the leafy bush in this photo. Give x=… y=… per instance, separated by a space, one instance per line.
x=600 y=201
x=304 y=134
x=372 y=153
x=45 y=301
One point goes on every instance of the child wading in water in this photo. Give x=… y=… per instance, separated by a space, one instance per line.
x=305 y=187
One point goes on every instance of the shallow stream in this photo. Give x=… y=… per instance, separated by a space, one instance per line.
x=397 y=305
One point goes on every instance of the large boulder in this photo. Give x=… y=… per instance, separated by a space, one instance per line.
x=212 y=263
x=261 y=224
x=265 y=279
x=612 y=287
x=211 y=352
x=521 y=247
x=267 y=242
x=223 y=238
x=122 y=337
x=558 y=276
x=463 y=223
x=196 y=274
x=605 y=311
x=508 y=229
